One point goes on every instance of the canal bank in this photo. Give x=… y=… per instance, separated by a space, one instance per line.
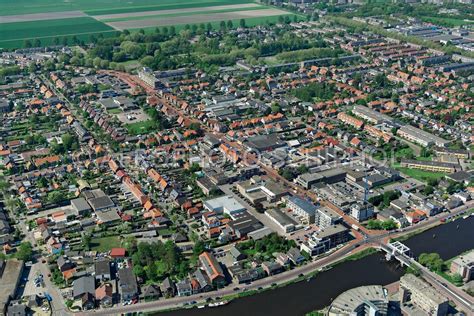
x=303 y=297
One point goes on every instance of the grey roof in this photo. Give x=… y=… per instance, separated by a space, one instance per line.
x=294 y=253
x=17 y=310
x=202 y=278
x=184 y=285
x=331 y=230
x=152 y=290
x=235 y=252
x=271 y=265
x=349 y=301
x=102 y=202
x=108 y=216
x=245 y=223
x=168 y=284
x=80 y=204
x=102 y=267
x=84 y=285
x=128 y=282
x=461 y=176
x=305 y=205
x=281 y=217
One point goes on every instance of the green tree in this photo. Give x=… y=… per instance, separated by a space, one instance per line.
x=428 y=190
x=25 y=251
x=27 y=44
x=86 y=241
x=55 y=197
x=222 y=26
x=432 y=261
x=413 y=269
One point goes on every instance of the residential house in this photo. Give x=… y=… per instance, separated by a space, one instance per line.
x=127 y=284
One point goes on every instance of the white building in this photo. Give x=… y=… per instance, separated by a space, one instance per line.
x=224 y=204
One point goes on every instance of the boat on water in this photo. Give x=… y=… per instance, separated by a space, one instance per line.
x=201 y=306
x=217 y=304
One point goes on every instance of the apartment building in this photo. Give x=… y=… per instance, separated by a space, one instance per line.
x=325 y=239
x=325 y=217
x=464 y=265
x=421 y=137
x=370 y=115
x=305 y=210
x=422 y=295
x=434 y=166
x=350 y=120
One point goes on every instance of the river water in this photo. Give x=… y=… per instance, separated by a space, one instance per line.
x=300 y=298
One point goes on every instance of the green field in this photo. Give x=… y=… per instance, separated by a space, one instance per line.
x=11 y=33
x=94 y=7
x=449 y=22
x=53 y=27
x=38 y=29
x=421 y=174
x=140 y=128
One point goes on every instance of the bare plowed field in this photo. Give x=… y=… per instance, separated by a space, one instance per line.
x=183 y=11
x=42 y=16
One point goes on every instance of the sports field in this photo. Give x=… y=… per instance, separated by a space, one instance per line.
x=50 y=20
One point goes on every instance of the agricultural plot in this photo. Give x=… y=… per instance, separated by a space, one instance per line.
x=184 y=11
x=12 y=34
x=61 y=21
x=194 y=19
x=95 y=7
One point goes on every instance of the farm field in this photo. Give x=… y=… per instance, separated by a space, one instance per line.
x=14 y=34
x=38 y=29
x=175 y=12
x=93 y=7
x=194 y=19
x=65 y=21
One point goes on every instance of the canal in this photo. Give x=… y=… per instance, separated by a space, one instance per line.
x=300 y=298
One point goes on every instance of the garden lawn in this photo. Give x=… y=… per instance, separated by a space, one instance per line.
x=144 y=127
x=105 y=243
x=114 y=111
x=421 y=174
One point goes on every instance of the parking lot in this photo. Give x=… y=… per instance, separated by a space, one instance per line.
x=34 y=285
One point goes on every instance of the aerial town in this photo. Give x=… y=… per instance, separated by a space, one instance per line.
x=187 y=169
